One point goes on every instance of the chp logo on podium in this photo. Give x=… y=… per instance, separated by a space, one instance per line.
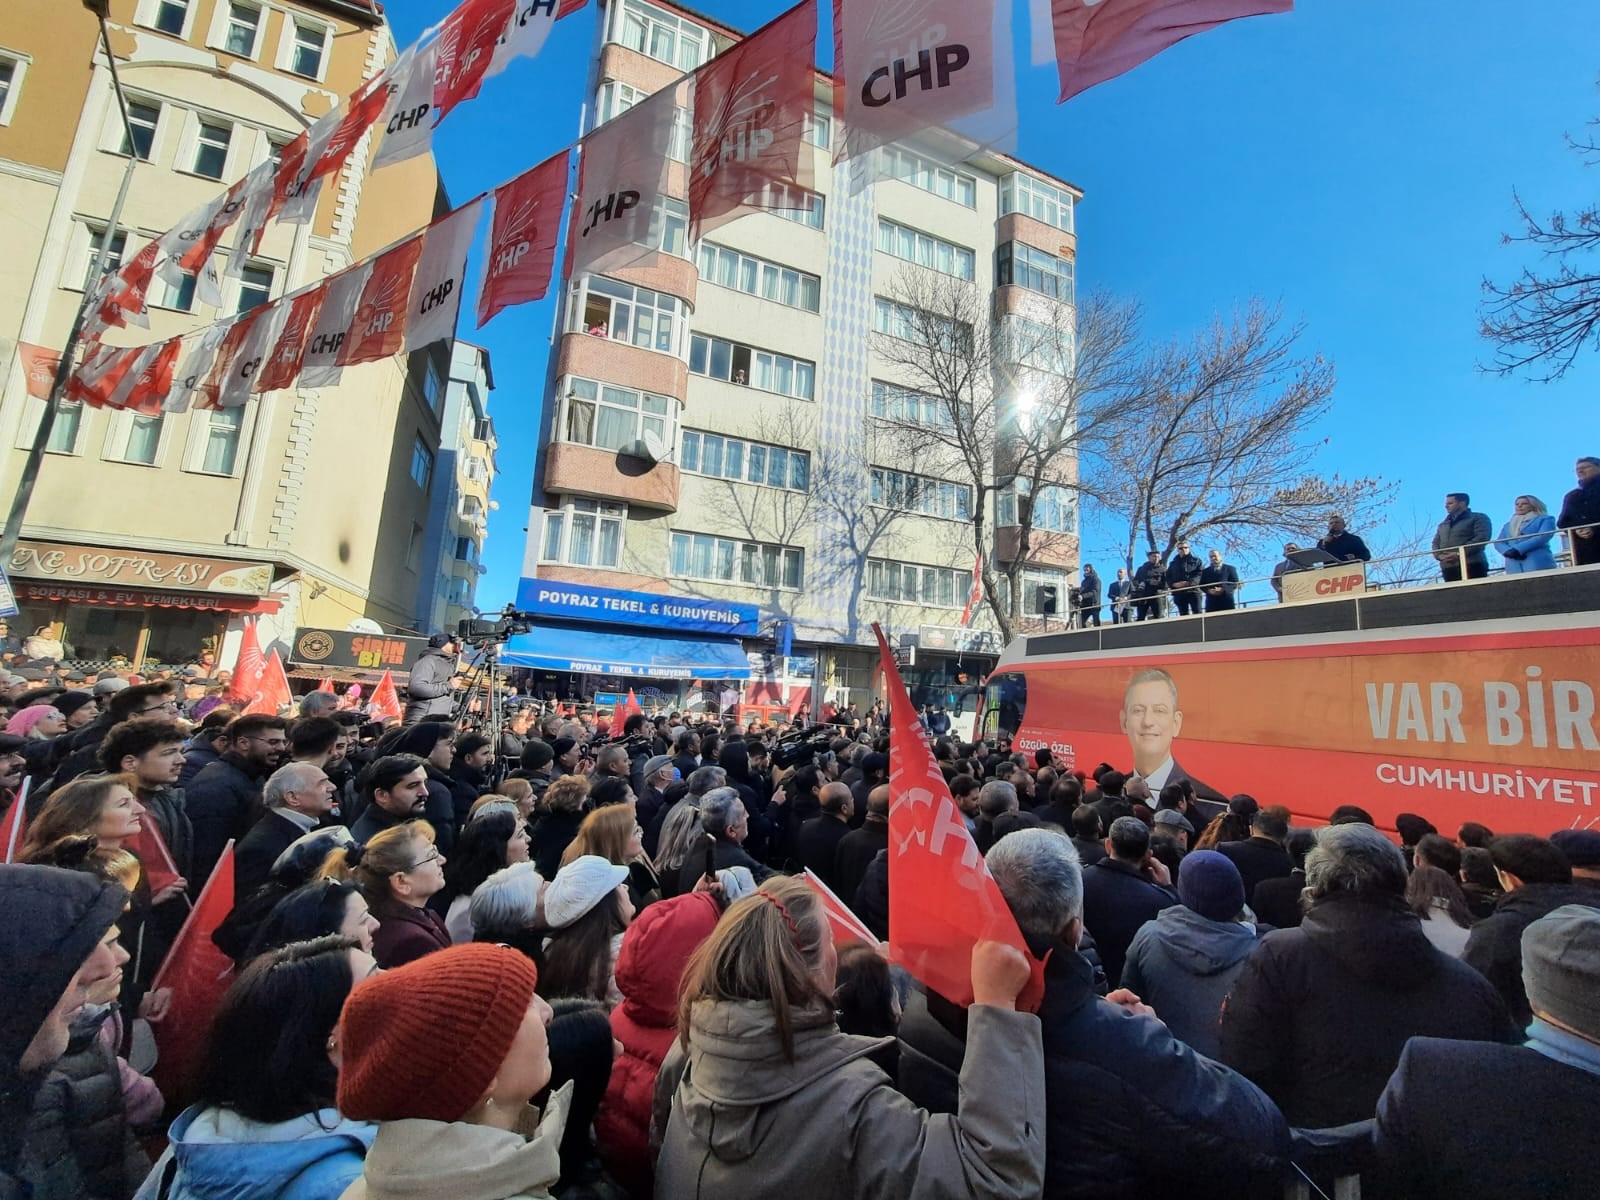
x=1325 y=583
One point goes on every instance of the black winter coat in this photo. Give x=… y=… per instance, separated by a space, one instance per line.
x=871 y=901
x=854 y=855
x=1581 y=506
x=1320 y=1014
x=1117 y=900
x=1257 y=858
x=1495 y=945
x=222 y=801
x=254 y=854
x=728 y=854
x=86 y=1090
x=818 y=847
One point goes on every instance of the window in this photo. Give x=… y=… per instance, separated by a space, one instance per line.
x=1040 y=584
x=624 y=313
x=908 y=583
x=750 y=462
x=924 y=249
x=421 y=464
x=613 y=418
x=729 y=361
x=275 y=148
x=180 y=297
x=142 y=118
x=795 y=204
x=663 y=36
x=908 y=167
x=244 y=26
x=617 y=98
x=13 y=66
x=745 y=273
x=818 y=130
x=914 y=325
x=1030 y=343
x=138 y=440
x=432 y=387
x=306 y=53
x=891 y=402
x=64 y=431
x=219 y=448
x=1035 y=269
x=669 y=227
x=211 y=149
x=255 y=287
x=920 y=494
x=466 y=549
x=119 y=243
x=723 y=560
x=1035 y=198
x=584 y=533
x=170 y=16
x=414 y=547
x=1055 y=511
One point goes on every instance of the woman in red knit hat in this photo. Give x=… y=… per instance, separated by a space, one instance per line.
x=453 y=1114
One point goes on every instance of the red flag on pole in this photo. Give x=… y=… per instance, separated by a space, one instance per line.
x=751 y=106
x=99 y=375
x=466 y=47
x=942 y=899
x=149 y=391
x=1096 y=41
x=974 y=594
x=150 y=848
x=274 y=692
x=847 y=927
x=326 y=686
x=385 y=700
x=380 y=325
x=16 y=823
x=629 y=707
x=198 y=973
x=247 y=669
x=38 y=368
x=522 y=238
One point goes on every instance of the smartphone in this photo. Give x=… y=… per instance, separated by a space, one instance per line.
x=711 y=856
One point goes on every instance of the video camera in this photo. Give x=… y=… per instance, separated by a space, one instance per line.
x=802 y=747
x=483 y=632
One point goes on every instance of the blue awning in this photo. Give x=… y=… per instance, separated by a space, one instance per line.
x=638 y=655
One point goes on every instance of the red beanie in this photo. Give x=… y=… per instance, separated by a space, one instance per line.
x=425 y=1040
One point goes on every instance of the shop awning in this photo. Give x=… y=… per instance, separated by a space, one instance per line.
x=633 y=655
x=114 y=597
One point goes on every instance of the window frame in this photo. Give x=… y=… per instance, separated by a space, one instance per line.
x=883 y=392
x=80 y=411
x=169 y=296
x=924 y=173
x=879 y=570
x=1019 y=183
x=563 y=520
x=289 y=45
x=891 y=318
x=222 y=28
x=78 y=279
x=201 y=426
x=1006 y=515
x=19 y=63
x=918 y=495
x=123 y=146
x=588 y=289
x=817 y=129
x=649 y=16
x=1012 y=325
x=693 y=455
x=894 y=233
x=603 y=403
x=242 y=284
x=752 y=357
x=148 y=14
x=199 y=145
x=1018 y=264
x=422 y=454
x=433 y=387
x=119 y=432
x=758 y=267
x=740 y=555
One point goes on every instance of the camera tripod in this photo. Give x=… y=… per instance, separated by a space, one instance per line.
x=485 y=677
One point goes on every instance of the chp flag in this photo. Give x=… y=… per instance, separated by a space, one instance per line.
x=380 y=323
x=522 y=237
x=193 y=375
x=39 y=366
x=751 y=106
x=244 y=351
x=440 y=277
x=466 y=45
x=319 y=365
x=525 y=34
x=408 y=120
x=974 y=594
x=903 y=67
x=1097 y=40
x=282 y=366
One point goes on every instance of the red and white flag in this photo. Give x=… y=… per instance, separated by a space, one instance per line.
x=441 y=277
x=751 y=106
x=319 y=366
x=625 y=170
x=248 y=669
x=525 y=34
x=466 y=47
x=282 y=366
x=274 y=693
x=366 y=106
x=326 y=686
x=149 y=393
x=198 y=974
x=39 y=367
x=975 y=593
x=194 y=375
x=297 y=185
x=150 y=848
x=1097 y=40
x=522 y=238
x=380 y=324
x=847 y=927
x=252 y=339
x=942 y=899
x=14 y=826
x=99 y=375
x=408 y=120
x=196 y=238
x=906 y=67
x=385 y=703
x=253 y=221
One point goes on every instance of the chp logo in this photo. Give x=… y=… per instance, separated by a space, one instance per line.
x=314 y=646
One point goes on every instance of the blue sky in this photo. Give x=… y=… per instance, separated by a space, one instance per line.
x=1352 y=161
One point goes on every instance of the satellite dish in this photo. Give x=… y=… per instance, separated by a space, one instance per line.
x=652 y=447
x=364 y=625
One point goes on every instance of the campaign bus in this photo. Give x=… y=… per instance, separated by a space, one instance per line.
x=1462 y=702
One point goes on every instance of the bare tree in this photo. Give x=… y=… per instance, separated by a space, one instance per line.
x=1019 y=398
x=1542 y=319
x=1227 y=449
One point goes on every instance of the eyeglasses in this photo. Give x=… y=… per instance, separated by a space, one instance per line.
x=422 y=862
x=159 y=705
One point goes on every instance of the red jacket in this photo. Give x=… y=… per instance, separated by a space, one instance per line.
x=649 y=968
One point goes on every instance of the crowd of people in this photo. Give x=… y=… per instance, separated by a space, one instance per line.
x=566 y=959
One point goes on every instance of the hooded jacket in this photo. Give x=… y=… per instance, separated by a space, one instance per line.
x=745 y=1122
x=428 y=686
x=85 y=1087
x=215 y=1154
x=1320 y=1014
x=1183 y=965
x=1494 y=948
x=427 y=1160
x=649 y=967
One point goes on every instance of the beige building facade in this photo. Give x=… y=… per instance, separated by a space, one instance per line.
x=723 y=424
x=321 y=497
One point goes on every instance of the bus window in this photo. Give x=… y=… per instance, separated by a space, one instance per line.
x=1006 y=700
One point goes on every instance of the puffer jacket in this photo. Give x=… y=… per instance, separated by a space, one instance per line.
x=1320 y=1014
x=216 y=1154
x=747 y=1122
x=86 y=1090
x=650 y=965
x=1133 y=1112
x=428 y=686
x=1183 y=965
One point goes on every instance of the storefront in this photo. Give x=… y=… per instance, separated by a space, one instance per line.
x=950 y=666
x=116 y=606
x=586 y=641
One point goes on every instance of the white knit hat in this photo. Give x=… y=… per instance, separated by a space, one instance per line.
x=578 y=887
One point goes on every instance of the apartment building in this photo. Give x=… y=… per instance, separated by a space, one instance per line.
x=148 y=535
x=724 y=430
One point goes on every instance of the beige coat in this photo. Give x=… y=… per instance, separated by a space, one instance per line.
x=451 y=1160
x=746 y=1123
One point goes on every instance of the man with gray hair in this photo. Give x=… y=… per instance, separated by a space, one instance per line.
x=298 y=798
x=1130 y=1109
x=724 y=820
x=318 y=704
x=1320 y=1014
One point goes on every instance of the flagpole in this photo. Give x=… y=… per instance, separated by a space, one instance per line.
x=41 y=437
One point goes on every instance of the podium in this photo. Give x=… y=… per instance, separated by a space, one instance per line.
x=1324 y=582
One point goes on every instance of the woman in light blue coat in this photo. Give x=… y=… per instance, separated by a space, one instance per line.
x=1525 y=539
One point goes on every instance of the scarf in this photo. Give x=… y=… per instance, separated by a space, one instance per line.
x=1563 y=1047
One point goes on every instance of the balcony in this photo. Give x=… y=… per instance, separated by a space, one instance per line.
x=574 y=470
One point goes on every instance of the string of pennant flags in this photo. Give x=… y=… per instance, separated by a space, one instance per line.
x=900 y=70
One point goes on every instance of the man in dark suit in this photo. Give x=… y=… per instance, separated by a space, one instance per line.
x=1262 y=855
x=1219 y=581
x=859 y=847
x=819 y=838
x=299 y=797
x=1152 y=720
